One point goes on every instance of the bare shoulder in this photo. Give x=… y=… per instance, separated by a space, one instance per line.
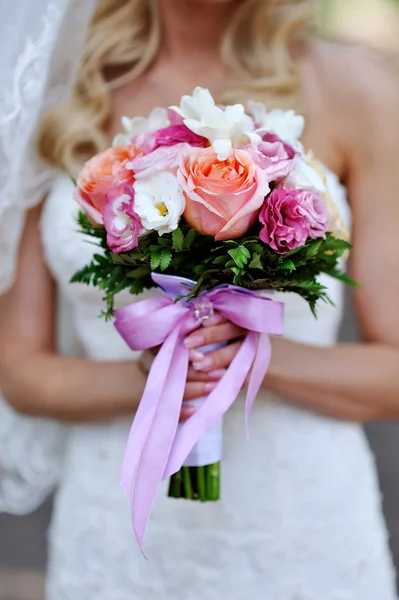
x=357 y=91
x=354 y=74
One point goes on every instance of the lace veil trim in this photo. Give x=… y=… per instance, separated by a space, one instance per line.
x=38 y=64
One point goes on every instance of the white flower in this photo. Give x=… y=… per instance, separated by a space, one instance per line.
x=304 y=176
x=192 y=107
x=225 y=128
x=157 y=119
x=286 y=124
x=159 y=202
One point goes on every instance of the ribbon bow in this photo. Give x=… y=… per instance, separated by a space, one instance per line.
x=156 y=448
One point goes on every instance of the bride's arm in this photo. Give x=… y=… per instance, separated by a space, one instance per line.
x=36 y=381
x=355 y=381
x=33 y=378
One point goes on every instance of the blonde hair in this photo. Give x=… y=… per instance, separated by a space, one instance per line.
x=125 y=34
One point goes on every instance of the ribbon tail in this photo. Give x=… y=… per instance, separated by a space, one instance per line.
x=159 y=442
x=258 y=373
x=216 y=404
x=146 y=412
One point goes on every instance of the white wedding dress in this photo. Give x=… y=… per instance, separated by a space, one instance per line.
x=300 y=515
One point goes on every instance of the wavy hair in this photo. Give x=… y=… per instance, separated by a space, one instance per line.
x=125 y=36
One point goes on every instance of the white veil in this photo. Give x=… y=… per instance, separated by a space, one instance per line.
x=41 y=45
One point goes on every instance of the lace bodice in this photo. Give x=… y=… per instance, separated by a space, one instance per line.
x=300 y=516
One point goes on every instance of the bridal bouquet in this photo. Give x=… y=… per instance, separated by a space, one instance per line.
x=214 y=205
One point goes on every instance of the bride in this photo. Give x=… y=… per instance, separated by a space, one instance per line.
x=300 y=516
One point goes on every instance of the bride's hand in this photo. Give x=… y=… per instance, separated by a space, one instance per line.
x=212 y=366
x=196 y=387
x=204 y=371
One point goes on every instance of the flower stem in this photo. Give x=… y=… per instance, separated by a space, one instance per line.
x=201 y=483
x=213 y=482
x=196 y=483
x=175 y=485
x=188 y=490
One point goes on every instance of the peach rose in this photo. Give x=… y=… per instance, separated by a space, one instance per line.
x=103 y=173
x=223 y=197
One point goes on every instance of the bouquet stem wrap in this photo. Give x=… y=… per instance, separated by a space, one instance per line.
x=156 y=448
x=208 y=449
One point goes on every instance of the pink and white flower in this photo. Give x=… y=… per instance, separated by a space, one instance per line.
x=164 y=158
x=290 y=217
x=159 y=202
x=286 y=124
x=273 y=156
x=304 y=176
x=140 y=126
x=122 y=223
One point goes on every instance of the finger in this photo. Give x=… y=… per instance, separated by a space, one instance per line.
x=145 y=361
x=194 y=375
x=154 y=351
x=186 y=412
x=216 y=319
x=213 y=335
x=219 y=359
x=198 y=389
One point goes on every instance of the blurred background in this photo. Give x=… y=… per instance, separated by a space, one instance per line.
x=374 y=23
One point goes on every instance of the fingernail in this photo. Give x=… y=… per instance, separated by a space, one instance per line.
x=210 y=386
x=188 y=410
x=204 y=364
x=196 y=356
x=194 y=341
x=218 y=374
x=215 y=320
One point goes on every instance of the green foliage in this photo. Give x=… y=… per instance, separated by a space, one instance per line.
x=246 y=262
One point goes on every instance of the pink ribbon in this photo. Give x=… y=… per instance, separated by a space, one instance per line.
x=156 y=448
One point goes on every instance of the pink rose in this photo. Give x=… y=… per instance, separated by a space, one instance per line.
x=223 y=197
x=122 y=223
x=175 y=134
x=273 y=156
x=290 y=217
x=101 y=174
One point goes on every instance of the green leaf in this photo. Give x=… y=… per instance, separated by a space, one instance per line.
x=342 y=276
x=256 y=262
x=164 y=242
x=256 y=248
x=236 y=270
x=138 y=273
x=73 y=181
x=332 y=243
x=230 y=264
x=220 y=260
x=178 y=239
x=165 y=259
x=100 y=259
x=240 y=255
x=189 y=239
x=136 y=287
x=155 y=260
x=313 y=248
x=289 y=265
x=294 y=251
